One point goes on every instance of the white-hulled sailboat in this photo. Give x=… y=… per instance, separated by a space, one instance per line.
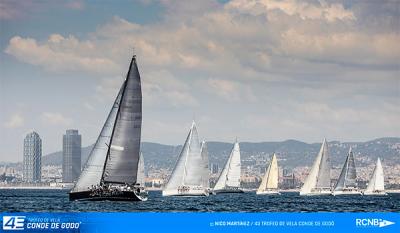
x=187 y=177
x=347 y=182
x=229 y=179
x=318 y=181
x=376 y=185
x=111 y=171
x=269 y=184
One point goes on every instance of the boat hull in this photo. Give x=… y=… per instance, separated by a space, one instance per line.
x=376 y=193
x=352 y=192
x=188 y=192
x=120 y=196
x=266 y=192
x=319 y=192
x=228 y=190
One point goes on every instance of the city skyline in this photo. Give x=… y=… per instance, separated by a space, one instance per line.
x=268 y=70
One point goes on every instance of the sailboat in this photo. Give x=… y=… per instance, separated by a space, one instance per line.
x=269 y=183
x=187 y=178
x=229 y=179
x=347 y=184
x=376 y=185
x=111 y=171
x=318 y=181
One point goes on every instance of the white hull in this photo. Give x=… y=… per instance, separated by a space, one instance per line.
x=353 y=192
x=268 y=192
x=317 y=193
x=190 y=192
x=376 y=193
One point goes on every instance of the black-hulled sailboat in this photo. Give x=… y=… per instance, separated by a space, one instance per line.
x=111 y=171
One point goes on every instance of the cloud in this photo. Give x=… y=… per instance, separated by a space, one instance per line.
x=305 y=10
x=230 y=90
x=75 y=5
x=55 y=118
x=15 y=121
x=162 y=88
x=60 y=53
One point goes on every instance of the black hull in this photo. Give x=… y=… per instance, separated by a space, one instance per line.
x=121 y=196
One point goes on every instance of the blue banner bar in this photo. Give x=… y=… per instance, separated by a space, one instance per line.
x=200 y=222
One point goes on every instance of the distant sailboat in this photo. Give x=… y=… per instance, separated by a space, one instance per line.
x=347 y=183
x=229 y=179
x=111 y=171
x=318 y=180
x=269 y=184
x=376 y=185
x=187 y=178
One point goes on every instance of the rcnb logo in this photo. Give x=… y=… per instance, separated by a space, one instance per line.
x=372 y=222
x=13 y=222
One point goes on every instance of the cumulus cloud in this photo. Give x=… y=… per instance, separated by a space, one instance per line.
x=15 y=121
x=303 y=9
x=60 y=53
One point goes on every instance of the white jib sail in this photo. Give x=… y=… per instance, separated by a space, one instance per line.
x=230 y=175
x=270 y=179
x=93 y=169
x=319 y=175
x=377 y=182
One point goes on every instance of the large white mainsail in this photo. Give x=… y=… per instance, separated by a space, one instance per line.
x=186 y=178
x=229 y=179
x=269 y=183
x=347 y=183
x=376 y=185
x=318 y=180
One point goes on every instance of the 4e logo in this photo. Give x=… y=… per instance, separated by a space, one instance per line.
x=13 y=222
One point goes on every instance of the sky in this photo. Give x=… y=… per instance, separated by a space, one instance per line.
x=258 y=70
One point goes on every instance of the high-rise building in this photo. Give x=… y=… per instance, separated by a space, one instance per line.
x=71 y=166
x=32 y=161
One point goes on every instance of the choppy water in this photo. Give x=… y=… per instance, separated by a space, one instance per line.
x=57 y=201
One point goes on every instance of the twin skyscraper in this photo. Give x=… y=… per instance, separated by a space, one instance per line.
x=71 y=164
